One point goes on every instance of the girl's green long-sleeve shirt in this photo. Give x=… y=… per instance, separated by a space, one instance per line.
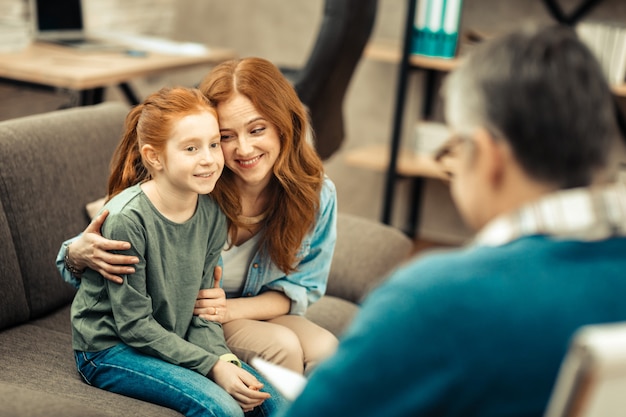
x=152 y=310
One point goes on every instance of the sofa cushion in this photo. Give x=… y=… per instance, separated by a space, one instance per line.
x=366 y=251
x=332 y=313
x=40 y=361
x=51 y=165
x=16 y=400
x=58 y=321
x=13 y=308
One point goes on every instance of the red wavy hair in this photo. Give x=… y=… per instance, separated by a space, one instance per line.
x=298 y=171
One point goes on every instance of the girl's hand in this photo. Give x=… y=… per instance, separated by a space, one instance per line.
x=211 y=302
x=91 y=250
x=239 y=383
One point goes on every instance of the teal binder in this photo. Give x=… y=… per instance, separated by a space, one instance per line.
x=419 y=41
x=436 y=28
x=451 y=21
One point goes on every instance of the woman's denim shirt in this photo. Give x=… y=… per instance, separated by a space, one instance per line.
x=307 y=284
x=304 y=286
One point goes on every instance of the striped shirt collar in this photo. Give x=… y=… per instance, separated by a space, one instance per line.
x=586 y=214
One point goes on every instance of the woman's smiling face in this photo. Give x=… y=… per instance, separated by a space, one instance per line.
x=250 y=143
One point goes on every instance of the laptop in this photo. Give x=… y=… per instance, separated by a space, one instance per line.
x=62 y=22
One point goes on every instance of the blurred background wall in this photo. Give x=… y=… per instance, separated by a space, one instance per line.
x=284 y=32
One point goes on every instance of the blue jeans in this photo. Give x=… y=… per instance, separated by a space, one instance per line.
x=124 y=370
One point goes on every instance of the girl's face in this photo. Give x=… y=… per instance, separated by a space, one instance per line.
x=250 y=142
x=193 y=159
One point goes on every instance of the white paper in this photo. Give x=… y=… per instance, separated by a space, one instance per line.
x=286 y=381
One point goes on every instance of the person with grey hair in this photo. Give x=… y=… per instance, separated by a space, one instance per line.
x=482 y=330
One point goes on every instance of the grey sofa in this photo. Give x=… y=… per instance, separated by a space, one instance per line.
x=51 y=165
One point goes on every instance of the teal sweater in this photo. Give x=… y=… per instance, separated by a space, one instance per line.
x=476 y=332
x=152 y=310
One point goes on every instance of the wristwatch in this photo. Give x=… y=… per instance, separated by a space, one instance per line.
x=74 y=270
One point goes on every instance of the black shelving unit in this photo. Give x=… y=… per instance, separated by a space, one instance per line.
x=430 y=78
x=429 y=95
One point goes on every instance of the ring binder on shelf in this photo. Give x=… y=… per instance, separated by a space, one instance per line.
x=436 y=28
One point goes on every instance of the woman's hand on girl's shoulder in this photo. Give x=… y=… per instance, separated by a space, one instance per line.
x=92 y=250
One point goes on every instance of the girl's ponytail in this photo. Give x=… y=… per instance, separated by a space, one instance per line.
x=127 y=168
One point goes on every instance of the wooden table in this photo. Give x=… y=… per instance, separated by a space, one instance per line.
x=90 y=72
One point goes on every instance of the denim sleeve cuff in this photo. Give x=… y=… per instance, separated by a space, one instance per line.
x=60 y=263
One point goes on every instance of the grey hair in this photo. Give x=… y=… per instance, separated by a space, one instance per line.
x=543 y=91
x=465 y=101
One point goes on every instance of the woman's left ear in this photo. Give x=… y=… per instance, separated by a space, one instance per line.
x=151 y=157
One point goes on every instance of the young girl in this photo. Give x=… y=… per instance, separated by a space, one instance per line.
x=140 y=338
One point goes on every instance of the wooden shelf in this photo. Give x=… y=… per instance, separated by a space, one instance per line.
x=409 y=164
x=389 y=51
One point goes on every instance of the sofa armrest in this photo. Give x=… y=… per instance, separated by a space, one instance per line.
x=366 y=251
